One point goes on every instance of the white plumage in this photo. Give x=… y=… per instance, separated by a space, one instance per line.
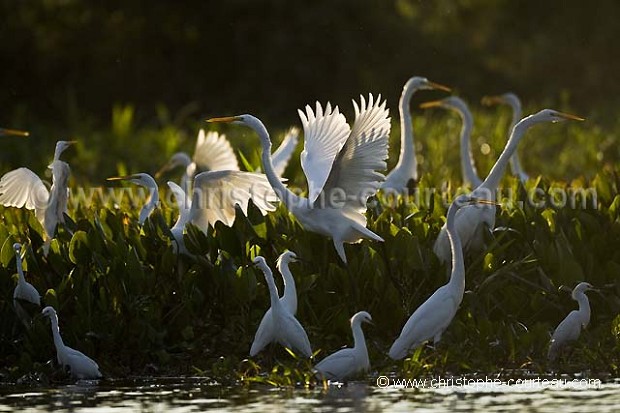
x=24 y=290
x=348 y=361
x=152 y=200
x=80 y=366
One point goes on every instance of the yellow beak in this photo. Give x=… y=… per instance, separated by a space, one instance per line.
x=121 y=178
x=431 y=104
x=225 y=119
x=492 y=100
x=439 y=86
x=14 y=132
x=571 y=117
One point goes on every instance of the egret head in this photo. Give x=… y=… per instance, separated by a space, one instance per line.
x=179 y=159
x=60 y=148
x=49 y=312
x=17 y=247
x=259 y=261
x=550 y=115
x=13 y=132
x=142 y=179
x=451 y=102
x=287 y=256
x=581 y=288
x=361 y=317
x=503 y=99
x=422 y=83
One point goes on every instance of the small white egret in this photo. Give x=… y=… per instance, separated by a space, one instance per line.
x=340 y=164
x=570 y=328
x=24 y=290
x=473 y=220
x=178 y=228
x=80 y=366
x=288 y=332
x=348 y=361
x=13 y=132
x=406 y=170
x=431 y=319
x=22 y=188
x=468 y=165
x=147 y=181
x=264 y=334
x=514 y=102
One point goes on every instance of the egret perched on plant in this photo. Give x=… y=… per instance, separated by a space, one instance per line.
x=13 y=132
x=431 y=319
x=23 y=188
x=265 y=333
x=472 y=220
x=288 y=331
x=513 y=101
x=570 y=328
x=406 y=170
x=340 y=164
x=214 y=153
x=80 y=366
x=348 y=361
x=152 y=200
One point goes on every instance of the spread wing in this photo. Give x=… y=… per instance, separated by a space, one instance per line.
x=354 y=172
x=22 y=188
x=324 y=135
x=282 y=155
x=217 y=192
x=214 y=153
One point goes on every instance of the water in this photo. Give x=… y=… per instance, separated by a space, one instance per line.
x=199 y=394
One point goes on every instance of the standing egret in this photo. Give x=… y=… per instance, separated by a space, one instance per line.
x=348 y=361
x=406 y=170
x=570 y=328
x=468 y=166
x=23 y=188
x=472 y=220
x=431 y=319
x=288 y=332
x=13 y=132
x=24 y=290
x=80 y=366
x=340 y=164
x=214 y=153
x=265 y=333
x=147 y=181
x=514 y=102
x=178 y=228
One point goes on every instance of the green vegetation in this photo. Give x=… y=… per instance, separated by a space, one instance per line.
x=127 y=301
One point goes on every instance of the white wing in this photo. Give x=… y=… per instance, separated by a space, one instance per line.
x=264 y=334
x=365 y=151
x=324 y=135
x=292 y=335
x=214 y=153
x=217 y=192
x=282 y=155
x=339 y=365
x=22 y=188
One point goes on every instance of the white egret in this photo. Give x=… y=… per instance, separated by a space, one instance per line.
x=214 y=153
x=514 y=102
x=472 y=220
x=24 y=290
x=80 y=366
x=468 y=166
x=348 y=361
x=13 y=132
x=22 y=188
x=406 y=170
x=431 y=319
x=152 y=200
x=264 y=334
x=288 y=332
x=340 y=164
x=178 y=228
x=570 y=328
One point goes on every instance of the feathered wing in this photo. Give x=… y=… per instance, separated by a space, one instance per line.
x=340 y=365
x=293 y=336
x=325 y=132
x=217 y=192
x=282 y=155
x=214 y=153
x=568 y=330
x=82 y=366
x=22 y=188
x=354 y=171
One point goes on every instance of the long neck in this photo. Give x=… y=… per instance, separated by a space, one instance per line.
x=515 y=163
x=359 y=343
x=288 y=197
x=289 y=298
x=584 y=307
x=56 y=333
x=406 y=160
x=20 y=270
x=516 y=114
x=273 y=290
x=492 y=180
x=467 y=158
x=150 y=205
x=457 y=275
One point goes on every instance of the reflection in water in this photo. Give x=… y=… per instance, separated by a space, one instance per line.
x=198 y=394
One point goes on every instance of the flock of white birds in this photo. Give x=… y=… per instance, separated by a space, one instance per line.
x=341 y=161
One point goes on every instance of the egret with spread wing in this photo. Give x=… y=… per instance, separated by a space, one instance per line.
x=473 y=220
x=406 y=170
x=340 y=164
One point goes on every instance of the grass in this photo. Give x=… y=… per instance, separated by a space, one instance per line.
x=127 y=301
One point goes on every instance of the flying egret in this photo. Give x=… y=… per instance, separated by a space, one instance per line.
x=80 y=366
x=468 y=166
x=406 y=170
x=340 y=164
x=147 y=181
x=431 y=319
x=23 y=188
x=570 y=328
x=265 y=333
x=348 y=361
x=513 y=101
x=288 y=332
x=214 y=153
x=472 y=220
x=13 y=132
